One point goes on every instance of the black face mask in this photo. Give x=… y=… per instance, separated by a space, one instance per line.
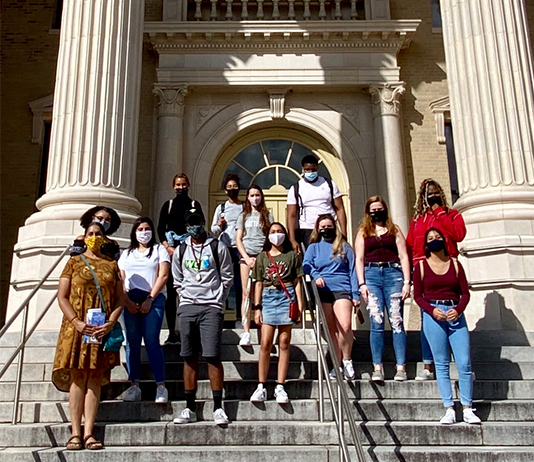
x=436 y=245
x=433 y=200
x=327 y=233
x=232 y=193
x=379 y=216
x=182 y=192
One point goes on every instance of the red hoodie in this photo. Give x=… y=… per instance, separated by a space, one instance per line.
x=451 y=224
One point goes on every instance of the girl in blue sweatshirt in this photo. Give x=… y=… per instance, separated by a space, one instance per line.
x=329 y=259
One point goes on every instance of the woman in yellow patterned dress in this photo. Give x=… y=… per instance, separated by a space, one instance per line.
x=82 y=368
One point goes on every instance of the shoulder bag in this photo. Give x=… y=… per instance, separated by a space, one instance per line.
x=294 y=312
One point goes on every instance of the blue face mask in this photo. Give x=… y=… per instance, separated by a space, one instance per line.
x=311 y=176
x=195 y=231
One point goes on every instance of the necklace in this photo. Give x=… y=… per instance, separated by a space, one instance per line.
x=198 y=260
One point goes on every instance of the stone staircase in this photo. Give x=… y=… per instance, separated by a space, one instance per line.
x=397 y=421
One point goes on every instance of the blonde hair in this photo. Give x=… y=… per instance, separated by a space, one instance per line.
x=367 y=225
x=339 y=240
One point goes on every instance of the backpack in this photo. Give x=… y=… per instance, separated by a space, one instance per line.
x=223 y=206
x=298 y=199
x=214 y=246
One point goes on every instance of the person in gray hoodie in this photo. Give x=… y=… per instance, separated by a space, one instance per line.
x=203 y=275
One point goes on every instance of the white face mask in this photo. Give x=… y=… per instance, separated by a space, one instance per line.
x=105 y=224
x=277 y=238
x=143 y=236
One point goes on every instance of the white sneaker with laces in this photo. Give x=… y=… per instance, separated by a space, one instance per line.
x=470 y=417
x=186 y=416
x=333 y=373
x=162 y=395
x=220 y=417
x=348 y=369
x=132 y=394
x=281 y=395
x=244 y=339
x=449 y=418
x=425 y=374
x=259 y=395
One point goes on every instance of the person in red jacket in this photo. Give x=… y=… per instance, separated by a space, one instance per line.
x=432 y=211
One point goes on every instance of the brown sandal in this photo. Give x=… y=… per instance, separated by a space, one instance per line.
x=74 y=443
x=93 y=445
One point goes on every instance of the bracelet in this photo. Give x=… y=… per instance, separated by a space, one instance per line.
x=362 y=284
x=258 y=307
x=74 y=319
x=407 y=281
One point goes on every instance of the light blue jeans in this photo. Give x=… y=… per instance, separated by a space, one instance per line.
x=147 y=327
x=441 y=335
x=385 y=293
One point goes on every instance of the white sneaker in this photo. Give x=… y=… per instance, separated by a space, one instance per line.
x=333 y=373
x=162 y=395
x=425 y=374
x=132 y=394
x=449 y=418
x=259 y=395
x=348 y=369
x=470 y=417
x=281 y=395
x=244 y=339
x=186 y=416
x=220 y=417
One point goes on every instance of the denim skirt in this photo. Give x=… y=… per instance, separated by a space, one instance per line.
x=276 y=306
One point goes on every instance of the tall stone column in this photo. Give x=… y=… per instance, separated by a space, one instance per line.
x=93 y=145
x=491 y=86
x=390 y=165
x=169 y=151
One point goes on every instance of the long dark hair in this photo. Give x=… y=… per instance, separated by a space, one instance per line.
x=262 y=209
x=286 y=246
x=87 y=218
x=427 y=251
x=134 y=243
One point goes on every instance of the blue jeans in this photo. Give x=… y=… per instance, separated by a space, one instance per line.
x=385 y=292
x=145 y=326
x=426 y=353
x=440 y=335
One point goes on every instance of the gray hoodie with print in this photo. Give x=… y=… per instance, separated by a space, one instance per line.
x=212 y=289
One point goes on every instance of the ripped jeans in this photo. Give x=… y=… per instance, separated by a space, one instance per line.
x=385 y=292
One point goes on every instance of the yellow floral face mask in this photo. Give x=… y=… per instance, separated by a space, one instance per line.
x=94 y=243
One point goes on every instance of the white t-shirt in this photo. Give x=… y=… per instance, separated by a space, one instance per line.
x=141 y=270
x=316 y=200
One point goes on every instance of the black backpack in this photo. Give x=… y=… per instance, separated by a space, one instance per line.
x=298 y=199
x=214 y=246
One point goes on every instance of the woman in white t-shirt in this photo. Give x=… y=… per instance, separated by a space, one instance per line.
x=251 y=229
x=144 y=268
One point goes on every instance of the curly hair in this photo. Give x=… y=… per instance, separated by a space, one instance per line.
x=367 y=225
x=87 y=218
x=421 y=205
x=230 y=177
x=339 y=241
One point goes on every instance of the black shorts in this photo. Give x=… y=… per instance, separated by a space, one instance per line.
x=200 y=329
x=329 y=296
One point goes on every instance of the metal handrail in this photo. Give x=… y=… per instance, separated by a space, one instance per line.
x=340 y=403
x=25 y=335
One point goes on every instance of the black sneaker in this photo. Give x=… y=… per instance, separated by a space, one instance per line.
x=172 y=339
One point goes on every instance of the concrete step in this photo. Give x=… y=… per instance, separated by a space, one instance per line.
x=308 y=453
x=299 y=409
x=276 y=433
x=297 y=389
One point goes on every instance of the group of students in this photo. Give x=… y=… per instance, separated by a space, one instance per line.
x=266 y=263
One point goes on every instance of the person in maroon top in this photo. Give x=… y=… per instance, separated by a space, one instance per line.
x=441 y=290
x=432 y=211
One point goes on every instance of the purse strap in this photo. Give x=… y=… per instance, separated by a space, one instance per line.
x=279 y=277
x=103 y=305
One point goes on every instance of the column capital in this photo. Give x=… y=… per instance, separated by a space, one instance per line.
x=386 y=98
x=171 y=99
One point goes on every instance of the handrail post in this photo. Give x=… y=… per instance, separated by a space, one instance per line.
x=321 y=366
x=20 y=365
x=341 y=420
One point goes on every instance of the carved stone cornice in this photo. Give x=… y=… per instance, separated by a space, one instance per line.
x=171 y=99
x=276 y=103
x=442 y=114
x=386 y=98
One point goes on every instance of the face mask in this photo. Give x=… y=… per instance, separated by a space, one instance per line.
x=434 y=200
x=277 y=238
x=232 y=193
x=327 y=233
x=255 y=201
x=181 y=192
x=105 y=224
x=143 y=236
x=311 y=176
x=94 y=243
x=435 y=245
x=379 y=216
x=195 y=231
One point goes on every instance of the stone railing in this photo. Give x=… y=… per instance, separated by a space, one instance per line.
x=265 y=10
